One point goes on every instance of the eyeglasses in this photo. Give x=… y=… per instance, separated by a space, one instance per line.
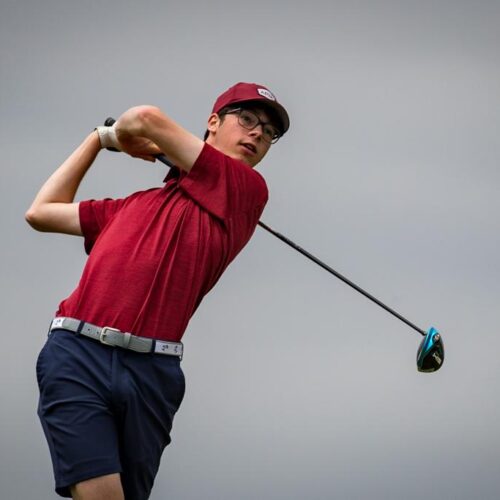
x=249 y=120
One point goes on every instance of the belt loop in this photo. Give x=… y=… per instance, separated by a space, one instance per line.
x=80 y=327
x=153 y=346
x=126 y=339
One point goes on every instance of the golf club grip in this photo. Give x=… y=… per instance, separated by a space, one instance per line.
x=161 y=157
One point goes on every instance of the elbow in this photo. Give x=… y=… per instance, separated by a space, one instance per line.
x=32 y=217
x=137 y=121
x=149 y=117
x=148 y=113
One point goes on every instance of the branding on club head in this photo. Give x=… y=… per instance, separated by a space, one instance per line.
x=267 y=94
x=437 y=358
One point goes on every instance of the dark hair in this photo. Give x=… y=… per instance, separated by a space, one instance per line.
x=222 y=114
x=275 y=120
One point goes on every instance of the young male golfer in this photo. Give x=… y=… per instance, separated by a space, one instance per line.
x=109 y=374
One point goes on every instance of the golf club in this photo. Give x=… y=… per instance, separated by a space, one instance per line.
x=430 y=354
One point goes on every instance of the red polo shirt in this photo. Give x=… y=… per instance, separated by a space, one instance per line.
x=155 y=254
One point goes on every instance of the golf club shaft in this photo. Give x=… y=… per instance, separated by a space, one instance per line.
x=310 y=256
x=305 y=253
x=347 y=281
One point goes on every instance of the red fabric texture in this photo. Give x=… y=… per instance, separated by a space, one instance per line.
x=154 y=255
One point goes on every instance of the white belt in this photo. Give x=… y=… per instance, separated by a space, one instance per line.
x=113 y=337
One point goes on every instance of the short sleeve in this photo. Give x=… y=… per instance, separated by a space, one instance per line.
x=223 y=186
x=94 y=216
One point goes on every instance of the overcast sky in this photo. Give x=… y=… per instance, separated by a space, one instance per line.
x=297 y=386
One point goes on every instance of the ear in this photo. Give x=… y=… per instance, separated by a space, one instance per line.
x=213 y=122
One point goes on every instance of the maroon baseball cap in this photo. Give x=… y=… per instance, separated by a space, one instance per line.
x=252 y=93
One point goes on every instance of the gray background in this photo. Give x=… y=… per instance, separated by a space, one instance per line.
x=298 y=387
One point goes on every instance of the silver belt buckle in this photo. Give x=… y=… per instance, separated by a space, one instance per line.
x=102 y=335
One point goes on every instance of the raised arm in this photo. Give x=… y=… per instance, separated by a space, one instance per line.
x=142 y=132
x=149 y=122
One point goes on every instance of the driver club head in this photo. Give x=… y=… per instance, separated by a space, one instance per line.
x=430 y=354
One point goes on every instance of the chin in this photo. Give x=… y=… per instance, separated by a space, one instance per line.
x=245 y=159
x=249 y=162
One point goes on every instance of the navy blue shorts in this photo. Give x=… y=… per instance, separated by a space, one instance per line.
x=106 y=410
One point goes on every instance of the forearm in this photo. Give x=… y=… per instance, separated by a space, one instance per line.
x=63 y=184
x=61 y=188
x=152 y=125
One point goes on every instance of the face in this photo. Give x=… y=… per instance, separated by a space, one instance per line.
x=231 y=138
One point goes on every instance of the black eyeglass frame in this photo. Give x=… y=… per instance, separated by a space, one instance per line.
x=232 y=111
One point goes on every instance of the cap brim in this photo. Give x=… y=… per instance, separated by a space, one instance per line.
x=275 y=106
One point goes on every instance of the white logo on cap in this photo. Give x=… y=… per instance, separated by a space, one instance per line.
x=267 y=94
